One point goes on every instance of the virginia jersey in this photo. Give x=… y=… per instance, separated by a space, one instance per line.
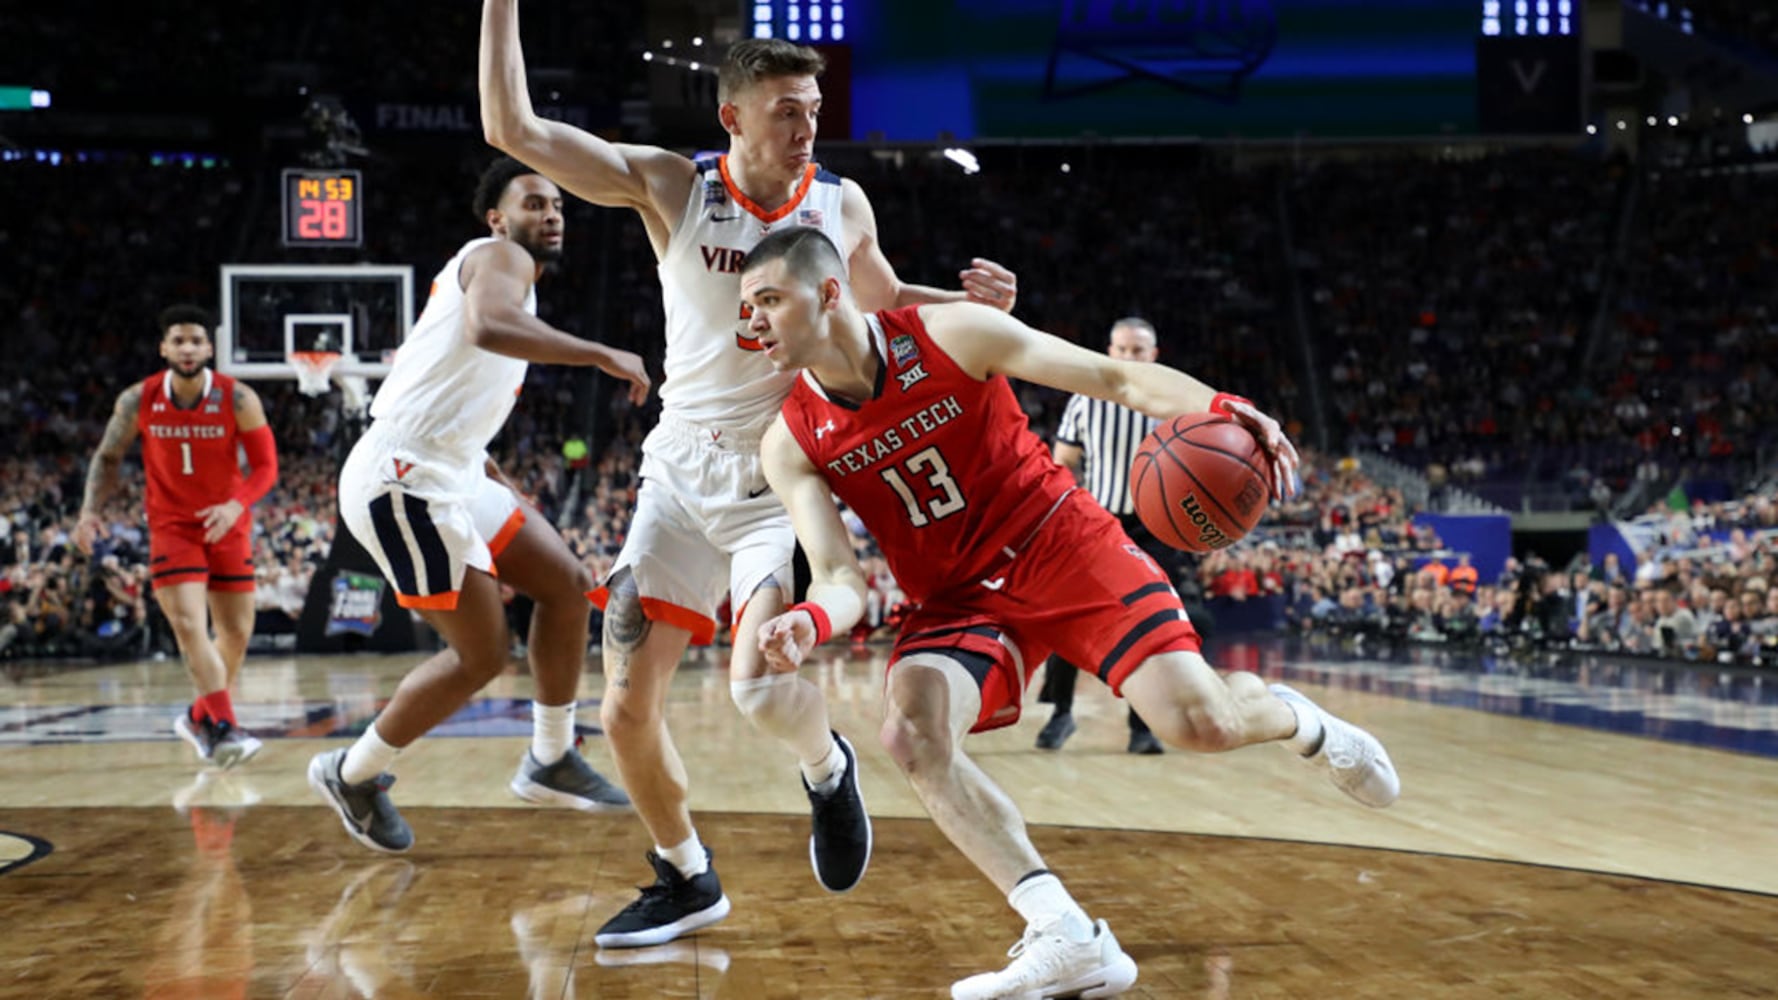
x=716 y=374
x=940 y=466
x=444 y=394
x=188 y=454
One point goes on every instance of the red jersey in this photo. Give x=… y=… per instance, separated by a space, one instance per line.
x=189 y=455
x=941 y=467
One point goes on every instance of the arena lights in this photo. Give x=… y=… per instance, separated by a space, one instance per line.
x=1747 y=119
x=965 y=159
x=61 y=157
x=701 y=64
x=800 y=20
x=1529 y=17
x=1592 y=130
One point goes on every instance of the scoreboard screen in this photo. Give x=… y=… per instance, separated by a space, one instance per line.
x=323 y=208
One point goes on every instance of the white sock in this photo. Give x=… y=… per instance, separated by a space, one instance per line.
x=1041 y=898
x=793 y=710
x=688 y=857
x=1307 y=738
x=824 y=777
x=369 y=757
x=552 y=731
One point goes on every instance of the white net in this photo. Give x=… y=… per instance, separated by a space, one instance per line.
x=314 y=370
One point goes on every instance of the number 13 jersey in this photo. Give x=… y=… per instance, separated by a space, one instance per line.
x=940 y=466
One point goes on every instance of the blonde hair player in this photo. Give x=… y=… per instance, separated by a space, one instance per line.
x=706 y=523
x=906 y=416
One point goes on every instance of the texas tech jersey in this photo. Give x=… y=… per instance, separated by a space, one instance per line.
x=941 y=467
x=716 y=374
x=188 y=455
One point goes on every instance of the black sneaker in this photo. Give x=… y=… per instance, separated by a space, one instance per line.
x=1056 y=731
x=839 y=828
x=364 y=809
x=1142 y=741
x=570 y=782
x=672 y=906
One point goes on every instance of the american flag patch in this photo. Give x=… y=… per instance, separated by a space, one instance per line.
x=809 y=217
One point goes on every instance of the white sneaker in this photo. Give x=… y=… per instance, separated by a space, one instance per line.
x=1354 y=760
x=1046 y=964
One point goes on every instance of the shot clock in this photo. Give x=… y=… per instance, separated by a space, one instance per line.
x=323 y=208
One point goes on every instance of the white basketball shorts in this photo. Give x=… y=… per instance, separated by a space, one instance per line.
x=705 y=524
x=424 y=519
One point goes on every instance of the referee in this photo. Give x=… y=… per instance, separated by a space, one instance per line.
x=1097 y=440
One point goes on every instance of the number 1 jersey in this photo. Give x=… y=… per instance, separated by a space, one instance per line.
x=940 y=466
x=189 y=454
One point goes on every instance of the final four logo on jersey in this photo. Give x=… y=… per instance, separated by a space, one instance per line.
x=214 y=403
x=715 y=192
x=904 y=349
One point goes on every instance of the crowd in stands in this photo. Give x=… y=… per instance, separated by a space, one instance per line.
x=1448 y=305
x=256 y=48
x=1347 y=560
x=1453 y=305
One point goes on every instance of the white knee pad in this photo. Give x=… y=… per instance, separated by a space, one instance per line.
x=788 y=707
x=767 y=701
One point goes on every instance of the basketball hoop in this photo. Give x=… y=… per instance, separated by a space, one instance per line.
x=314 y=369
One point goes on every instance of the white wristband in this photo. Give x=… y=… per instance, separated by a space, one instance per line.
x=840 y=602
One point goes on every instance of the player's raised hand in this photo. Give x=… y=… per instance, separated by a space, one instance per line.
x=786 y=640
x=628 y=366
x=218 y=520
x=86 y=530
x=990 y=284
x=1271 y=438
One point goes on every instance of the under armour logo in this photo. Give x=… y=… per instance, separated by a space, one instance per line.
x=995 y=584
x=907 y=378
x=158 y=407
x=402 y=468
x=821 y=431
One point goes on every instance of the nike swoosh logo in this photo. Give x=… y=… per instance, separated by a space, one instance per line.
x=756 y=494
x=724 y=218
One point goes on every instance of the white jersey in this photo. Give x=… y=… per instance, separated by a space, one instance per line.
x=717 y=377
x=444 y=394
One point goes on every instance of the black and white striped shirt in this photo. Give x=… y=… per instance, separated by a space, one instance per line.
x=1108 y=435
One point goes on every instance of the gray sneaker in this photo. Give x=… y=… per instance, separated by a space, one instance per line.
x=569 y=782
x=364 y=809
x=233 y=745
x=217 y=742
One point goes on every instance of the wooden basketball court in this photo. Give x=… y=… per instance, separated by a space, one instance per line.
x=1533 y=854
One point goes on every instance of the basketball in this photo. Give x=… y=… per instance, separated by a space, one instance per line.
x=1200 y=482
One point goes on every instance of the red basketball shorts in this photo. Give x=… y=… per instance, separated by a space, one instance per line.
x=1079 y=588
x=177 y=554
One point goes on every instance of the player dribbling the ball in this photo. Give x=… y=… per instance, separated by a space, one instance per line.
x=907 y=416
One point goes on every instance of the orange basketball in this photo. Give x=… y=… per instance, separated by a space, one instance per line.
x=1200 y=482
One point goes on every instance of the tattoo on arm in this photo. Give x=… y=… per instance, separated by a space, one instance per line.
x=102 y=472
